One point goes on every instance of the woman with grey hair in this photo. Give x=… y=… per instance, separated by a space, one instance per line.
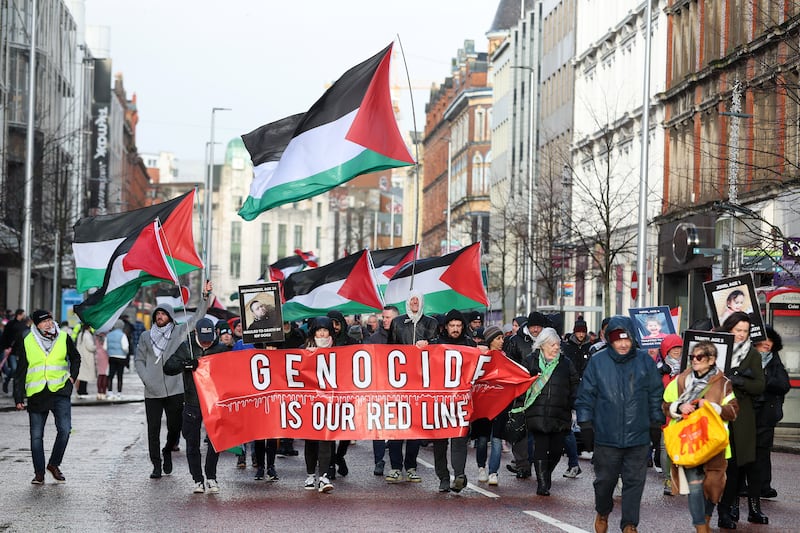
x=548 y=405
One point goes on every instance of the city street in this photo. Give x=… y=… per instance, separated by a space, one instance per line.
x=108 y=490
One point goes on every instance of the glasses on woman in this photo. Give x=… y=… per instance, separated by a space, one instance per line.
x=698 y=356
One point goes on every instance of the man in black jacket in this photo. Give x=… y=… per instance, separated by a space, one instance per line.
x=455 y=333
x=202 y=342
x=576 y=348
x=10 y=343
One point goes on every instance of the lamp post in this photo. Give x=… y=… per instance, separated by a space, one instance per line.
x=449 y=174
x=27 y=228
x=209 y=191
x=530 y=281
x=641 y=256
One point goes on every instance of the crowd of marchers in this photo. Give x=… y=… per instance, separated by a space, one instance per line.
x=598 y=396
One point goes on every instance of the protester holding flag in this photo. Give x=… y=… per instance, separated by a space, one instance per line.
x=48 y=368
x=202 y=342
x=414 y=327
x=164 y=394
x=455 y=333
x=318 y=453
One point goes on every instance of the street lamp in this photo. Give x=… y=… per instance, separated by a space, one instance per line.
x=532 y=143
x=449 y=174
x=209 y=190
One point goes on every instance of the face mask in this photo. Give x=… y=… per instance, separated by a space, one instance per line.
x=323 y=342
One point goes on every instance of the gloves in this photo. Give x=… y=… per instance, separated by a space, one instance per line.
x=191 y=364
x=738 y=380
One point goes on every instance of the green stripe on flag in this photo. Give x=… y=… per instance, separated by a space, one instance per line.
x=296 y=311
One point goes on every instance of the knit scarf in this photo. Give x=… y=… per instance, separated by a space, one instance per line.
x=160 y=336
x=545 y=371
x=766 y=357
x=696 y=385
x=739 y=353
x=674 y=365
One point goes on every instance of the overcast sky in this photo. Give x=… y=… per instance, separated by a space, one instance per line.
x=268 y=59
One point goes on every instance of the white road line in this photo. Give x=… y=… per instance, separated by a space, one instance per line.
x=558 y=523
x=476 y=488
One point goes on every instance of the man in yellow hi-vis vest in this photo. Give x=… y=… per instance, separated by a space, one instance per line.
x=45 y=376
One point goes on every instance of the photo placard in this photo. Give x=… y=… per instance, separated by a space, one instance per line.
x=737 y=293
x=652 y=325
x=722 y=341
x=261 y=313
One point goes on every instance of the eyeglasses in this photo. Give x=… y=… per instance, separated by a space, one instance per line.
x=699 y=356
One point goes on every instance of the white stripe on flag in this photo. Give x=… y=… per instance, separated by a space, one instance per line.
x=322 y=297
x=425 y=282
x=95 y=255
x=119 y=276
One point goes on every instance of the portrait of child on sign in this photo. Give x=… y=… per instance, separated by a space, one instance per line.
x=652 y=325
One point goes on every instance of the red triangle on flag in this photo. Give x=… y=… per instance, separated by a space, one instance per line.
x=359 y=286
x=405 y=260
x=375 y=126
x=145 y=254
x=177 y=235
x=464 y=274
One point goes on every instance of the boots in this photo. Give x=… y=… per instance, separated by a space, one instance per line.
x=735 y=510
x=601 y=523
x=754 y=514
x=702 y=529
x=630 y=528
x=542 y=487
x=725 y=519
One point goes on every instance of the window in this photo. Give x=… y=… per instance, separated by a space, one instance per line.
x=298 y=236
x=318 y=239
x=281 y=240
x=264 y=262
x=236 y=250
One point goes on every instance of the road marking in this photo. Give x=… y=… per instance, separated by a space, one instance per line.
x=558 y=523
x=476 y=488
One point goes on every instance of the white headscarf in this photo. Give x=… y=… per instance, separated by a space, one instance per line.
x=415 y=316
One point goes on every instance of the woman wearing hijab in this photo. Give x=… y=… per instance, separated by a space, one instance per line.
x=747 y=377
x=702 y=383
x=548 y=405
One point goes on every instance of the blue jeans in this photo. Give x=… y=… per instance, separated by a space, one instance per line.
x=699 y=506
x=396 y=458
x=611 y=463
x=62 y=413
x=481 y=451
x=571 y=447
x=10 y=367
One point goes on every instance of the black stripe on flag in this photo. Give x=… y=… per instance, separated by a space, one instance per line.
x=305 y=282
x=268 y=142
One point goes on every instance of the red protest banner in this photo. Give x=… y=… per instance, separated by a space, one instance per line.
x=353 y=392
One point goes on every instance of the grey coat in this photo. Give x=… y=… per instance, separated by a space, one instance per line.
x=150 y=369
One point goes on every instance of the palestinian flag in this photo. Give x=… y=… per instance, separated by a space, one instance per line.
x=282 y=268
x=346 y=285
x=351 y=130
x=452 y=281
x=119 y=253
x=386 y=263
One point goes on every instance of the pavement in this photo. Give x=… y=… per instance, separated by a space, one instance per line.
x=787 y=439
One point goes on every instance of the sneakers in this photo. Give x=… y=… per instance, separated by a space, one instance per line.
x=412 y=476
x=272 y=475
x=241 y=461
x=57 y=475
x=199 y=488
x=213 y=487
x=259 y=474
x=483 y=476
x=459 y=483
x=573 y=472
x=493 y=480
x=586 y=455
x=325 y=485
x=38 y=479
x=444 y=485
x=311 y=482
x=394 y=476
x=379 y=466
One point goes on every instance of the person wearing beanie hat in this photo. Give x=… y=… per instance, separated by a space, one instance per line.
x=576 y=349
x=47 y=369
x=454 y=333
x=474 y=322
x=202 y=342
x=163 y=394
x=225 y=333
x=619 y=400
x=483 y=429
x=490 y=334
x=117 y=348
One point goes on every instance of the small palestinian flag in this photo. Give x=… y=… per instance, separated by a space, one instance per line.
x=346 y=285
x=452 y=281
x=351 y=130
x=119 y=253
x=386 y=263
x=283 y=268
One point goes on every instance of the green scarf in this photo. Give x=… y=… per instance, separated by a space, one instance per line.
x=546 y=370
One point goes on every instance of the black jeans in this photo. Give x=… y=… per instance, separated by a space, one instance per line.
x=267 y=447
x=192 y=422
x=548 y=447
x=153 y=408
x=318 y=452
x=116 y=367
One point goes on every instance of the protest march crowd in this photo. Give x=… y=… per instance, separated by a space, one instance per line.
x=598 y=395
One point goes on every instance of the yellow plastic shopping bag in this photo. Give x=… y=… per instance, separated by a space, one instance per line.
x=697 y=438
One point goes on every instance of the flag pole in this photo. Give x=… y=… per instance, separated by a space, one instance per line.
x=416 y=164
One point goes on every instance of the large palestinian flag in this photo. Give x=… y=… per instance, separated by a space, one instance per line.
x=346 y=285
x=119 y=253
x=452 y=281
x=350 y=130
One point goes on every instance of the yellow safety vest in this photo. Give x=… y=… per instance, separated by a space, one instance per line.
x=50 y=369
